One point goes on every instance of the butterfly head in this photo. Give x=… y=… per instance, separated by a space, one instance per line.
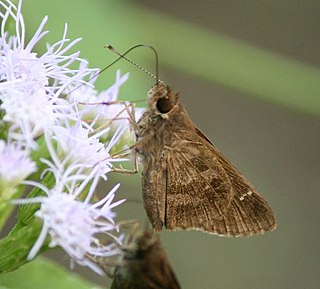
x=162 y=99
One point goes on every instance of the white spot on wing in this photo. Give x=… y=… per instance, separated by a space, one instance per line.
x=248 y=193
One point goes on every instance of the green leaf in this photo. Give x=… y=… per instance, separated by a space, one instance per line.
x=5 y=206
x=15 y=247
x=42 y=273
x=26 y=212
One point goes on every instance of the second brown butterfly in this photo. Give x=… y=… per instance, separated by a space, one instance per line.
x=144 y=265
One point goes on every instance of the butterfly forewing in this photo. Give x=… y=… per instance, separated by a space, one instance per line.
x=254 y=211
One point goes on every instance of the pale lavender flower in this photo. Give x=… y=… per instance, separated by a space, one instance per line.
x=81 y=146
x=32 y=105
x=104 y=107
x=103 y=110
x=85 y=230
x=39 y=95
x=75 y=225
x=15 y=166
x=28 y=114
x=19 y=62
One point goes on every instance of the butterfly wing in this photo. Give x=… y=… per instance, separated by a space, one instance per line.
x=154 y=188
x=158 y=274
x=205 y=191
x=161 y=280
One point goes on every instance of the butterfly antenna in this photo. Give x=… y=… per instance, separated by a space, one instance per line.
x=122 y=56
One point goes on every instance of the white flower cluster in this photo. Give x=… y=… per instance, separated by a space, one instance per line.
x=41 y=98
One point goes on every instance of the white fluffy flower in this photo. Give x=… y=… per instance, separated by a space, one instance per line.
x=28 y=114
x=104 y=107
x=31 y=85
x=15 y=166
x=82 y=148
x=39 y=96
x=80 y=227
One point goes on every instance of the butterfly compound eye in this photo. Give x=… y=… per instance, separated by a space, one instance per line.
x=164 y=105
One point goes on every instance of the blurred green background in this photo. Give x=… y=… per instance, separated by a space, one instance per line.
x=249 y=75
